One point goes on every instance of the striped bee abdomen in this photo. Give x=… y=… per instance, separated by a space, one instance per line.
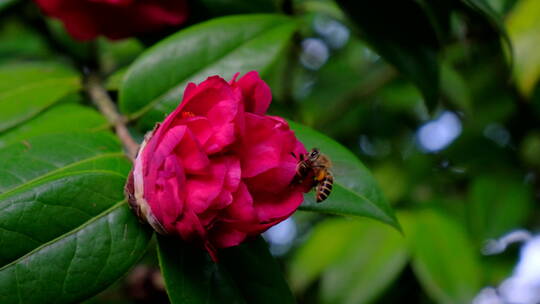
x=324 y=187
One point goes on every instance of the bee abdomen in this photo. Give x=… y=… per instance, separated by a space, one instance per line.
x=324 y=188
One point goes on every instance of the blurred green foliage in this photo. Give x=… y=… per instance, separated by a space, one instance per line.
x=375 y=76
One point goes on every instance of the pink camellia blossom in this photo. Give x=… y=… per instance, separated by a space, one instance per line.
x=218 y=170
x=115 y=19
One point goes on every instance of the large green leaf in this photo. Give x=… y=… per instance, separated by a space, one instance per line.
x=356 y=260
x=28 y=160
x=58 y=119
x=355 y=191
x=154 y=84
x=523 y=25
x=191 y=276
x=444 y=259
x=65 y=228
x=403 y=34
x=257 y=273
x=79 y=263
x=244 y=274
x=376 y=256
x=28 y=89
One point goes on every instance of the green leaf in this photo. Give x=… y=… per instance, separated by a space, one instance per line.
x=356 y=260
x=65 y=227
x=59 y=119
x=257 y=273
x=244 y=274
x=523 y=26
x=497 y=204
x=78 y=264
x=6 y=3
x=191 y=276
x=402 y=33
x=38 y=157
x=28 y=89
x=374 y=259
x=355 y=192
x=20 y=42
x=154 y=84
x=444 y=259
x=491 y=18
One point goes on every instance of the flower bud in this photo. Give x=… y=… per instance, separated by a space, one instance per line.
x=218 y=170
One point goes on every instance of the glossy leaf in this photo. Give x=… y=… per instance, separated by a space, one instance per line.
x=191 y=276
x=78 y=264
x=257 y=273
x=355 y=191
x=402 y=33
x=59 y=119
x=444 y=259
x=35 y=158
x=26 y=90
x=355 y=259
x=154 y=84
x=244 y=274
x=65 y=227
x=524 y=29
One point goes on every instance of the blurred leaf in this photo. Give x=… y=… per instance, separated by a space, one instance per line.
x=523 y=25
x=356 y=259
x=491 y=18
x=454 y=88
x=154 y=84
x=114 y=81
x=67 y=231
x=6 y=3
x=244 y=274
x=82 y=51
x=375 y=260
x=530 y=149
x=393 y=181
x=496 y=205
x=402 y=33
x=20 y=41
x=59 y=119
x=444 y=259
x=28 y=89
x=117 y=54
x=355 y=192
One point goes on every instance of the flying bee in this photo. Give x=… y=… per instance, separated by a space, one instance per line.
x=317 y=165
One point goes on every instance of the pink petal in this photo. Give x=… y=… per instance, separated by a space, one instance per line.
x=203 y=189
x=256 y=93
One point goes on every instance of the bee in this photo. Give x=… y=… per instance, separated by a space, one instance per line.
x=318 y=165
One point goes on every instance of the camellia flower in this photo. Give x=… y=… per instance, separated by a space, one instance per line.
x=115 y=19
x=218 y=170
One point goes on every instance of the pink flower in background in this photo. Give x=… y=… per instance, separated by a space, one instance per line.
x=115 y=19
x=218 y=170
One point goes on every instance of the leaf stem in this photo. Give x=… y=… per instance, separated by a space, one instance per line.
x=101 y=99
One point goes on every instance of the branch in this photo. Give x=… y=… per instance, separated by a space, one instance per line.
x=101 y=99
